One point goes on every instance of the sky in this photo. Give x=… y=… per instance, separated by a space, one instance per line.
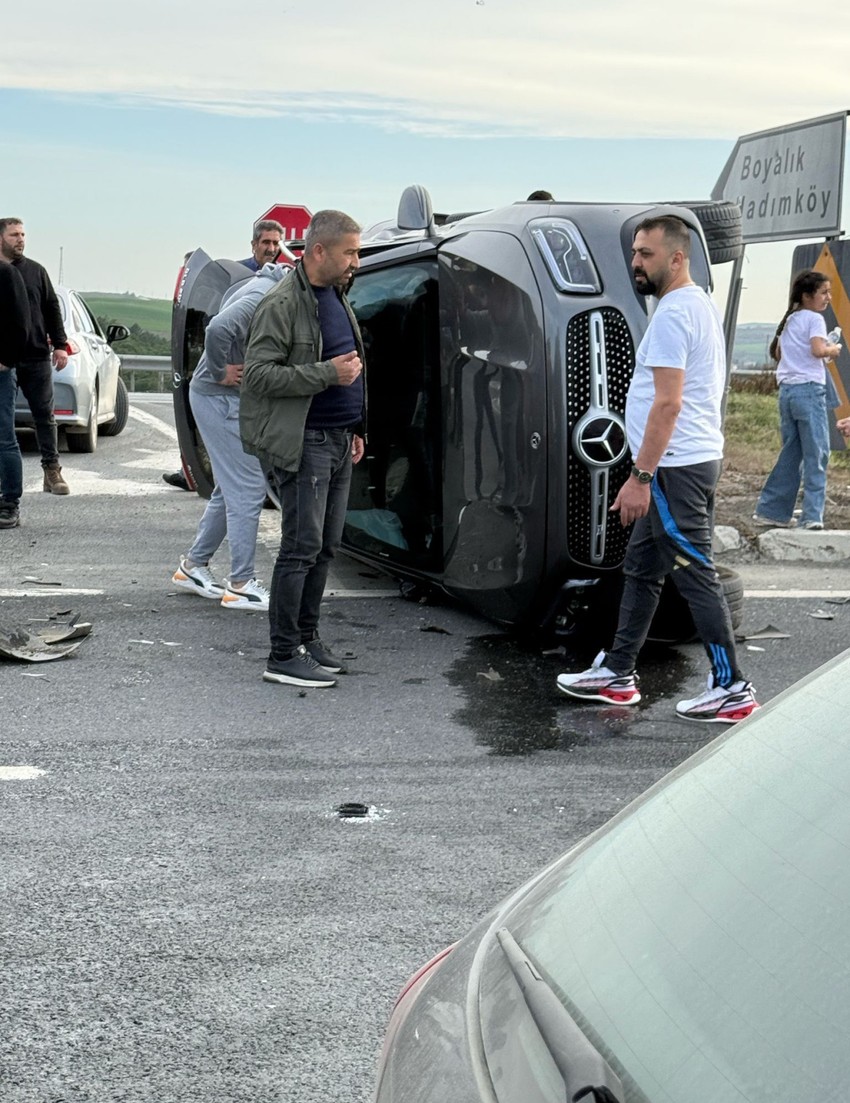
x=133 y=133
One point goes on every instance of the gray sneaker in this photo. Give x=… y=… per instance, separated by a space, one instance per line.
x=300 y=669
x=10 y=515
x=324 y=658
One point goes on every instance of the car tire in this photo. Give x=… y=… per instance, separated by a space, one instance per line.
x=85 y=440
x=721 y=223
x=673 y=622
x=122 y=411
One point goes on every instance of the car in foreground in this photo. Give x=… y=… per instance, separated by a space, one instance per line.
x=89 y=395
x=694 y=949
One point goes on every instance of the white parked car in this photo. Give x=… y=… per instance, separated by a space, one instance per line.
x=89 y=395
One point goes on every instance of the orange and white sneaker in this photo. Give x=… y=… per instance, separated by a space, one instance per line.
x=720 y=704
x=251 y=596
x=601 y=684
x=197 y=579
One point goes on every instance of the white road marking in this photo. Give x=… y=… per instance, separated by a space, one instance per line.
x=329 y=593
x=20 y=773
x=91 y=484
x=154 y=422
x=834 y=594
x=57 y=592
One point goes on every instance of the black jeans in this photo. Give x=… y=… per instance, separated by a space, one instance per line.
x=313 y=502
x=35 y=378
x=675 y=538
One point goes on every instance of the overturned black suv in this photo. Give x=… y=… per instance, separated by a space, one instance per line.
x=499 y=347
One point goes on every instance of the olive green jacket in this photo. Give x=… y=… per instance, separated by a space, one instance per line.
x=283 y=370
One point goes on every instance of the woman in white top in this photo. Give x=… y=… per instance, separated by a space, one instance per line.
x=801 y=347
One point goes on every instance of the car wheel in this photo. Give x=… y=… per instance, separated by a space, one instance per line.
x=122 y=411
x=85 y=440
x=721 y=224
x=673 y=622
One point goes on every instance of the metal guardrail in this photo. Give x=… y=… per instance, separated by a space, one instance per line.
x=132 y=365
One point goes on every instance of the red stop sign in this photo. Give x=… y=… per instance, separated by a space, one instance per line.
x=293 y=217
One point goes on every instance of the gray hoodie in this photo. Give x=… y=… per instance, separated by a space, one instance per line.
x=227 y=332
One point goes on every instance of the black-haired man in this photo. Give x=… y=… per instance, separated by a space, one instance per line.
x=673 y=423
x=34 y=369
x=14 y=335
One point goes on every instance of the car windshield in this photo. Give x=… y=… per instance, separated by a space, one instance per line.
x=703 y=942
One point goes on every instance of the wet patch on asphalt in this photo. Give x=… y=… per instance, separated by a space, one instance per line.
x=514 y=707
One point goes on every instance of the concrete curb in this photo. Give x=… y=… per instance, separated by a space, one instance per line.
x=827 y=546
x=787 y=545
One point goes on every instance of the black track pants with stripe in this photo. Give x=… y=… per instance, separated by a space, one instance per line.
x=675 y=538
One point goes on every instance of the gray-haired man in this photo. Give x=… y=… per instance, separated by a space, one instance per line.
x=265 y=244
x=301 y=414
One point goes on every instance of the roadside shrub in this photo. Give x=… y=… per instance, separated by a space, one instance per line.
x=763 y=383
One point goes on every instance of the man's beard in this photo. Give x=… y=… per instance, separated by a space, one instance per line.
x=646 y=286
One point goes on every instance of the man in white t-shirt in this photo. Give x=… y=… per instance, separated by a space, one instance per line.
x=673 y=423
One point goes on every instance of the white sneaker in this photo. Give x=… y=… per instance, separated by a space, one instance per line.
x=197 y=580
x=251 y=596
x=601 y=684
x=720 y=704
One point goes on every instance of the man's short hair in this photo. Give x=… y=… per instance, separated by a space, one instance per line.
x=540 y=194
x=327 y=227
x=265 y=225
x=4 y=222
x=676 y=232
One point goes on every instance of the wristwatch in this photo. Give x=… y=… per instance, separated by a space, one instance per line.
x=642 y=476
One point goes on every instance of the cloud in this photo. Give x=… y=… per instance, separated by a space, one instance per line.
x=450 y=67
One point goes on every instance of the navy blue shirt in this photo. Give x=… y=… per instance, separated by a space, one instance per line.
x=336 y=407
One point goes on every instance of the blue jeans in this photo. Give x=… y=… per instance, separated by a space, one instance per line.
x=11 y=468
x=35 y=378
x=804 y=455
x=313 y=503
x=240 y=486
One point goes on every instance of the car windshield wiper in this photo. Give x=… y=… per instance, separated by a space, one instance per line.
x=585 y=1072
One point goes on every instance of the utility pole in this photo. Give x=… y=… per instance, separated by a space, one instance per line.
x=61 y=264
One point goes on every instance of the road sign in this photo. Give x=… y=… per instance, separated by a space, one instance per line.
x=293 y=217
x=787 y=181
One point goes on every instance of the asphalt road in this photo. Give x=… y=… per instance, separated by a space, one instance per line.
x=184 y=916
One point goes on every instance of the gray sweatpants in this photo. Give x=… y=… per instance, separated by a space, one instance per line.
x=240 y=486
x=675 y=538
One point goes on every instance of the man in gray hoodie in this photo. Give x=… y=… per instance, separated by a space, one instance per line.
x=240 y=486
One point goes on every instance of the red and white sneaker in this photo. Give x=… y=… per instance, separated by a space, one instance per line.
x=601 y=684
x=720 y=704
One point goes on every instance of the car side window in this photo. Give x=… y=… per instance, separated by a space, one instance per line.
x=80 y=316
x=89 y=319
x=395 y=498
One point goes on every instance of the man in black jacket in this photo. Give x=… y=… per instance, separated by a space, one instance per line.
x=14 y=335
x=34 y=369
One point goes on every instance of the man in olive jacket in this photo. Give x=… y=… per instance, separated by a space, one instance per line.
x=301 y=412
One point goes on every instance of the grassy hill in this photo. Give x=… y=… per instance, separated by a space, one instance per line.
x=751 y=343
x=152 y=315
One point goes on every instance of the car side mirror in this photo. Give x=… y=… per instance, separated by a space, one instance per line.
x=115 y=333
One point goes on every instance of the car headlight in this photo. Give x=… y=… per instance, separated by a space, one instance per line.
x=566 y=256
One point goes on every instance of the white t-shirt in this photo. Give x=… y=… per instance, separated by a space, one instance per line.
x=796 y=363
x=684 y=332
